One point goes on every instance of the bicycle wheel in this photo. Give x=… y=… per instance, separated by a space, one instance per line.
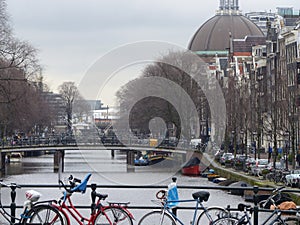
x=270 y=177
x=211 y=214
x=43 y=214
x=226 y=221
x=157 y=218
x=113 y=216
x=292 y=221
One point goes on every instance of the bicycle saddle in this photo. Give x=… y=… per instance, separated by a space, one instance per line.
x=82 y=186
x=201 y=195
x=241 y=207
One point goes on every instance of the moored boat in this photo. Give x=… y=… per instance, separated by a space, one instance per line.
x=192 y=167
x=15 y=157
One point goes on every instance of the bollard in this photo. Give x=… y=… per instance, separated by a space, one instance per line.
x=255 y=211
x=13 y=204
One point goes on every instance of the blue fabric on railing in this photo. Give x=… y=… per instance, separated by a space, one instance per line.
x=172 y=195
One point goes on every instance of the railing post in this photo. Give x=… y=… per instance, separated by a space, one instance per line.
x=255 y=212
x=2 y=161
x=13 y=203
x=130 y=161
x=112 y=153
x=93 y=197
x=59 y=156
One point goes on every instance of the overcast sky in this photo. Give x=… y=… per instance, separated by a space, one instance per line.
x=71 y=34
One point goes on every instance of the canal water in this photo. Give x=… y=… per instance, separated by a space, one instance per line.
x=107 y=170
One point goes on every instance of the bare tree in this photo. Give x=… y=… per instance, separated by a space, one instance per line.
x=176 y=67
x=22 y=106
x=81 y=108
x=70 y=94
x=21 y=102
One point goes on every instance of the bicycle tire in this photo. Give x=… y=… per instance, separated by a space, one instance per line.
x=276 y=180
x=43 y=214
x=214 y=212
x=154 y=218
x=226 y=221
x=292 y=221
x=270 y=177
x=64 y=215
x=113 y=216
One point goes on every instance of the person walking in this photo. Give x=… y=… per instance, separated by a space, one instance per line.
x=269 y=153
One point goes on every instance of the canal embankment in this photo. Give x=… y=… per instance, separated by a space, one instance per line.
x=237 y=175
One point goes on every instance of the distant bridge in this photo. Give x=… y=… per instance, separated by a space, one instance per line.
x=59 y=151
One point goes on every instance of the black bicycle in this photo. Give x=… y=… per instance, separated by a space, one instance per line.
x=277 y=176
x=275 y=218
x=34 y=212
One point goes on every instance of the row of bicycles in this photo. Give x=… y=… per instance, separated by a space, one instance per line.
x=64 y=212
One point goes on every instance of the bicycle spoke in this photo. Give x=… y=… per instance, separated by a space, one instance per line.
x=44 y=215
x=113 y=216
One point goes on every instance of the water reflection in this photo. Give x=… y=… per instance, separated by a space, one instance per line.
x=39 y=170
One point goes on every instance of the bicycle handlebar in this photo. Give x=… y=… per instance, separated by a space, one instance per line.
x=278 y=189
x=64 y=186
x=72 y=180
x=11 y=185
x=161 y=194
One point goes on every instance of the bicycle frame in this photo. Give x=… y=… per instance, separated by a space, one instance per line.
x=28 y=204
x=198 y=203
x=67 y=208
x=276 y=212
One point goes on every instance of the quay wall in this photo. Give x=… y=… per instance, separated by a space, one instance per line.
x=231 y=174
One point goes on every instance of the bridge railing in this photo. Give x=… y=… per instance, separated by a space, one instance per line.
x=255 y=190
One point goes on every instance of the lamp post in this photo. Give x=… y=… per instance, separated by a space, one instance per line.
x=286 y=137
x=242 y=141
x=233 y=143
x=269 y=147
x=242 y=146
x=254 y=133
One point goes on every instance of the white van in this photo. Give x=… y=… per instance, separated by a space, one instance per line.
x=195 y=142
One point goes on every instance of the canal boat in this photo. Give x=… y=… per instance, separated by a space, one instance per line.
x=15 y=157
x=212 y=177
x=192 y=167
x=151 y=158
x=239 y=184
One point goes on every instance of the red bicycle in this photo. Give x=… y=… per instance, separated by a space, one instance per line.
x=111 y=214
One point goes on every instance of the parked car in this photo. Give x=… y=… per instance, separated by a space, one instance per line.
x=195 y=142
x=239 y=158
x=249 y=163
x=278 y=166
x=293 y=179
x=239 y=161
x=259 y=166
x=226 y=158
x=219 y=154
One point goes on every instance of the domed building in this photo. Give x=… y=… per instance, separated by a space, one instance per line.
x=214 y=36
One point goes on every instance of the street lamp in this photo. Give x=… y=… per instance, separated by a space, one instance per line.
x=242 y=141
x=254 y=133
x=269 y=147
x=233 y=143
x=242 y=146
x=286 y=138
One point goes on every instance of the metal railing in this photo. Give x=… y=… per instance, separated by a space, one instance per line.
x=255 y=190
